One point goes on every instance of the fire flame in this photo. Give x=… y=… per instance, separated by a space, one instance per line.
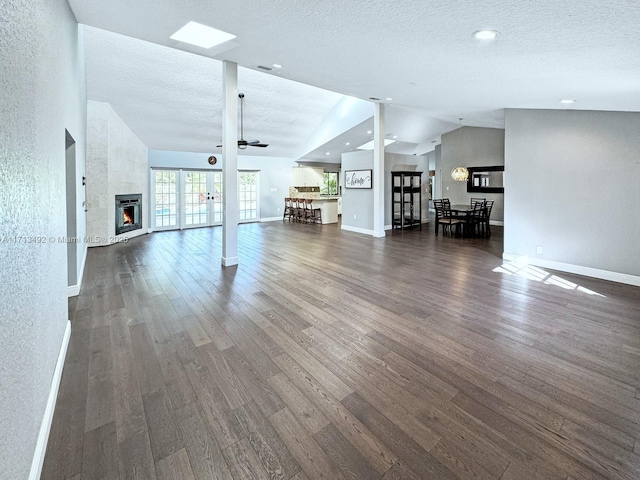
x=128 y=220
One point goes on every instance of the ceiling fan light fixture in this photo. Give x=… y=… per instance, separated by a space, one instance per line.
x=200 y=35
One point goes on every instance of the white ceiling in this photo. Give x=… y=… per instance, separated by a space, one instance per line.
x=420 y=53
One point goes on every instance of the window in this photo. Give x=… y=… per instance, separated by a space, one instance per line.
x=329 y=183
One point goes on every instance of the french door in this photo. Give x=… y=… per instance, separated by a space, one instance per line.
x=249 y=200
x=190 y=198
x=202 y=199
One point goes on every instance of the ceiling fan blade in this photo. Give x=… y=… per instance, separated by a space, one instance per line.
x=219 y=146
x=253 y=142
x=259 y=145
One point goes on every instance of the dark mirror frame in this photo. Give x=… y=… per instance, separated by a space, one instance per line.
x=472 y=170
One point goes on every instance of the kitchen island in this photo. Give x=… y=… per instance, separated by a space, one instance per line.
x=328 y=206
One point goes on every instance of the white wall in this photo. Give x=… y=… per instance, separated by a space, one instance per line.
x=42 y=94
x=470 y=147
x=572 y=188
x=116 y=165
x=357 y=202
x=276 y=173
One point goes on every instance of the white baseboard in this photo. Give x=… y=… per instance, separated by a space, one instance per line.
x=47 y=419
x=577 y=269
x=270 y=219
x=364 y=231
x=229 y=261
x=74 y=290
x=497 y=223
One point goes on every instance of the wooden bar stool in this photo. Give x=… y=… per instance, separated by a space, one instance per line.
x=288 y=209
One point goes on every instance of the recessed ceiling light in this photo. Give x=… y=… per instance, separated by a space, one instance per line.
x=277 y=65
x=328 y=153
x=369 y=132
x=395 y=136
x=567 y=101
x=347 y=144
x=200 y=35
x=486 y=35
x=369 y=145
x=389 y=99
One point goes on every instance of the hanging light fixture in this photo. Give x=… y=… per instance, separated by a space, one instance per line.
x=460 y=174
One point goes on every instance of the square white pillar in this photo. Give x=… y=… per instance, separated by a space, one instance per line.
x=378 y=170
x=229 y=163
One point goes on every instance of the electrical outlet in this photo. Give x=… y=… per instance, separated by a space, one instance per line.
x=278 y=209
x=539 y=249
x=447 y=188
x=354 y=217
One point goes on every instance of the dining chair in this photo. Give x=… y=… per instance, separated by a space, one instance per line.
x=486 y=216
x=473 y=221
x=444 y=218
x=477 y=200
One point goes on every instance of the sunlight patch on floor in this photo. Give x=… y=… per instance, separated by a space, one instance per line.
x=521 y=268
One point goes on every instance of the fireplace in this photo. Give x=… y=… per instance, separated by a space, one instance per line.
x=128 y=213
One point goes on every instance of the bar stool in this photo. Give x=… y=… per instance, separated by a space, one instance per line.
x=299 y=209
x=315 y=214
x=288 y=209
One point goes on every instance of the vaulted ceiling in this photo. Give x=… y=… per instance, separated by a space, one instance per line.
x=419 y=53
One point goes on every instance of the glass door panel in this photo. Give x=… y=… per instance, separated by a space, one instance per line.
x=249 y=209
x=195 y=198
x=165 y=199
x=216 y=198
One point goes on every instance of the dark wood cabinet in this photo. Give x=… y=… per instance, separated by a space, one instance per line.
x=406 y=199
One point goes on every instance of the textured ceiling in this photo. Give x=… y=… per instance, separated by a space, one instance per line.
x=420 y=53
x=173 y=100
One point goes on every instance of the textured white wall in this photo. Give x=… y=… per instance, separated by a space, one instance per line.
x=573 y=187
x=116 y=164
x=471 y=147
x=42 y=93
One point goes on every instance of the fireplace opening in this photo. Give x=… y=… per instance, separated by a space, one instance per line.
x=128 y=213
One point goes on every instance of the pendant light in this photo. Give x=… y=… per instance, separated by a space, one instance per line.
x=460 y=174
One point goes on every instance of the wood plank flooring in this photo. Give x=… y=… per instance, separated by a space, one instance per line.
x=332 y=355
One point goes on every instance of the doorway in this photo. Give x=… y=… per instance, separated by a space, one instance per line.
x=72 y=212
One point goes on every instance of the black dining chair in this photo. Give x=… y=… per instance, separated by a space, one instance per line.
x=486 y=216
x=444 y=218
x=473 y=221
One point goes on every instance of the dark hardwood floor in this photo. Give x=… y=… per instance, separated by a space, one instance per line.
x=332 y=355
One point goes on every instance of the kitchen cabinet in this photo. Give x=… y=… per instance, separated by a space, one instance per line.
x=308 y=176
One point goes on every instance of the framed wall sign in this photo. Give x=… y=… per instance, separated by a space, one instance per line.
x=357 y=179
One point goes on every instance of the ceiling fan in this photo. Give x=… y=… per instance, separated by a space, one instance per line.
x=242 y=143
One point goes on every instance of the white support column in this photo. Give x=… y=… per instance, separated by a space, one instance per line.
x=229 y=163
x=378 y=170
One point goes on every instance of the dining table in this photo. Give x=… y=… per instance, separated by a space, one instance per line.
x=462 y=211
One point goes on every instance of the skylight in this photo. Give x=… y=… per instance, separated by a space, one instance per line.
x=369 y=145
x=200 y=35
